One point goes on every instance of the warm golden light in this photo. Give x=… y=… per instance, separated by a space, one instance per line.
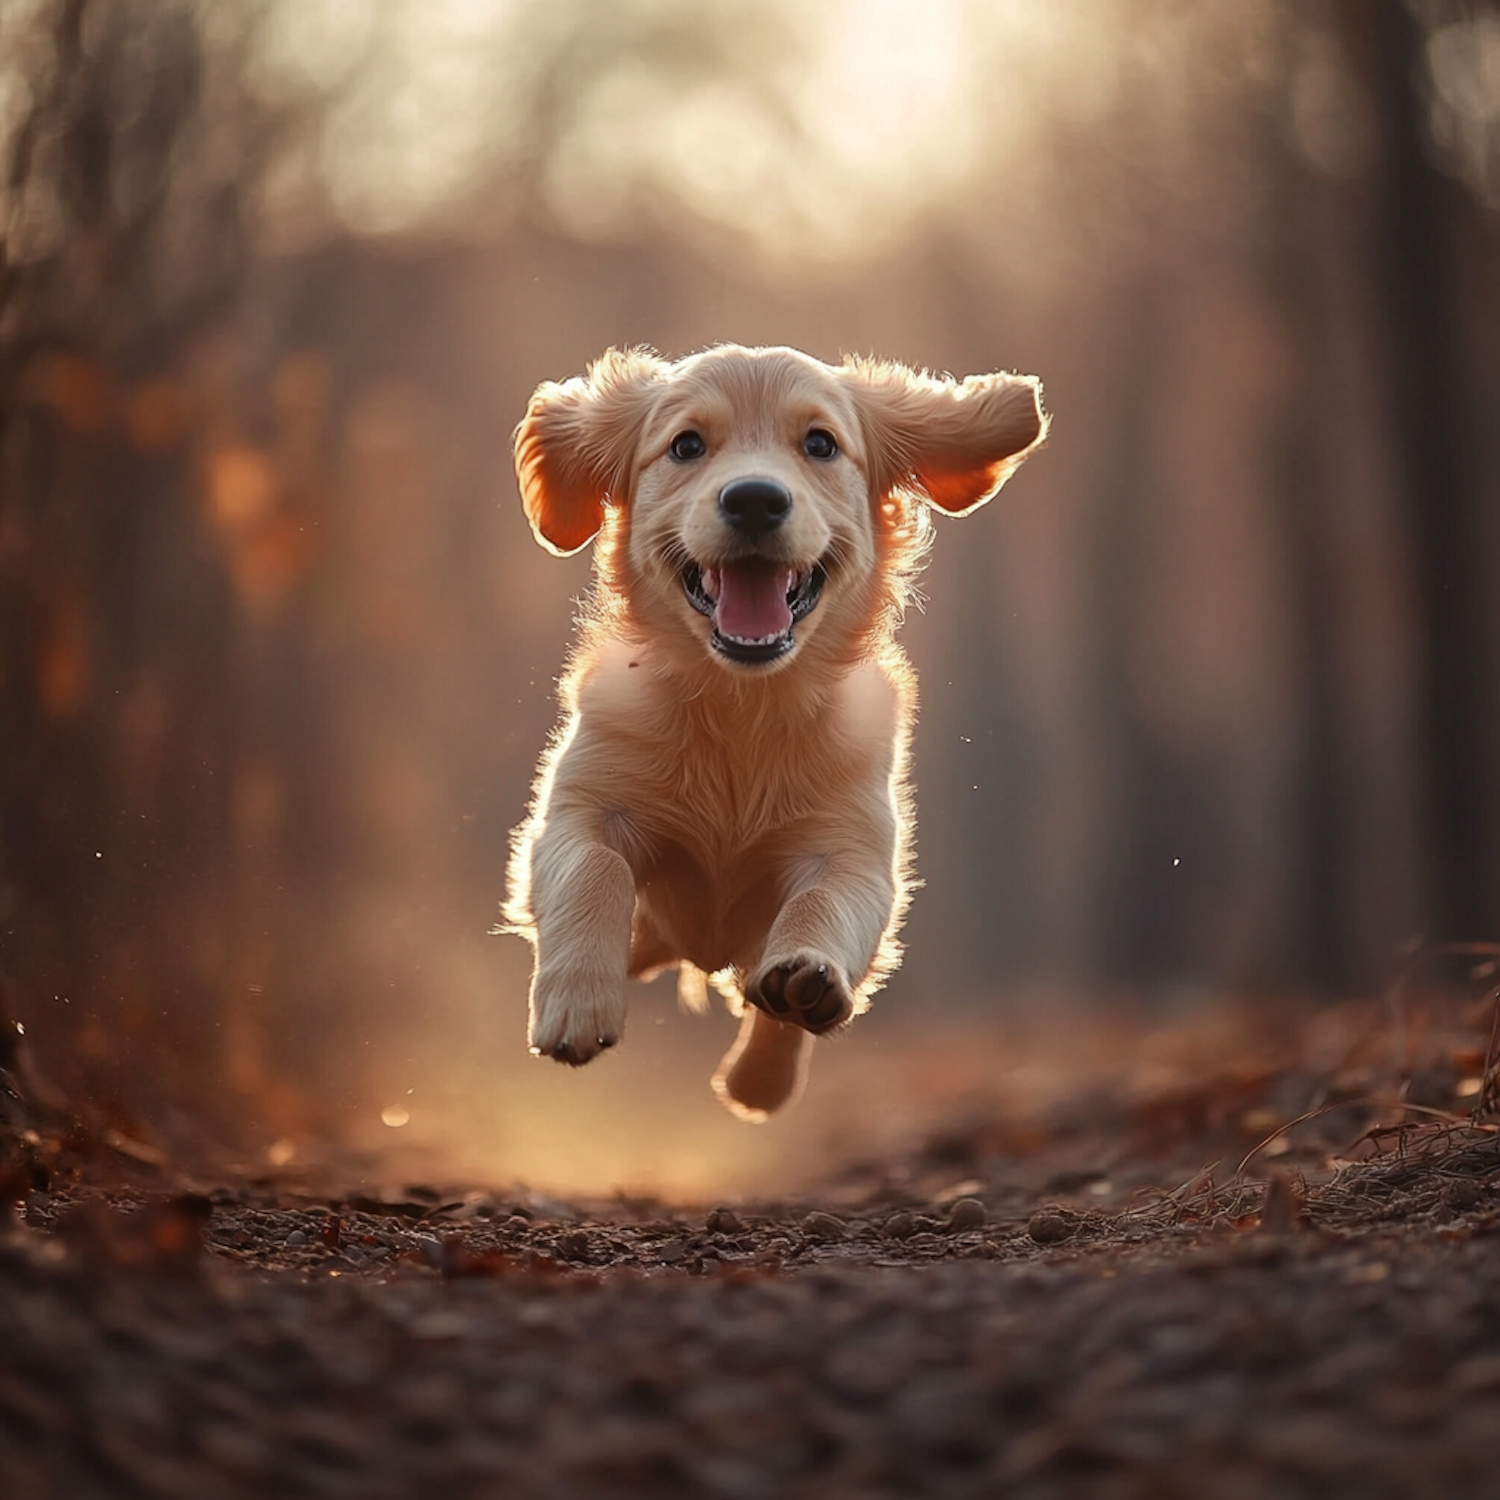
x=787 y=131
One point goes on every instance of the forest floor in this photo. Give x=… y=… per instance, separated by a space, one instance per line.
x=1077 y=1304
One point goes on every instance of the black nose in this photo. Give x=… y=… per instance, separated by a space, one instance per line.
x=755 y=505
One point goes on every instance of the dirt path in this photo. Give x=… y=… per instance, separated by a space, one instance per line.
x=1077 y=1311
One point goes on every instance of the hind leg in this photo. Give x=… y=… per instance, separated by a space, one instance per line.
x=765 y=1068
x=650 y=952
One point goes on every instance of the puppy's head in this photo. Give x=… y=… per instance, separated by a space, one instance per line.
x=758 y=503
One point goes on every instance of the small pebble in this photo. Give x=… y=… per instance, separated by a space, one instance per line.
x=900 y=1226
x=429 y=1247
x=1050 y=1226
x=1461 y=1193
x=724 y=1221
x=295 y=1240
x=967 y=1213
x=574 y=1245
x=820 y=1226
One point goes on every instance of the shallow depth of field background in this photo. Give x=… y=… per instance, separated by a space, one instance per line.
x=1210 y=695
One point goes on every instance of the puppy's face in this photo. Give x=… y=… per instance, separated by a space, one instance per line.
x=757 y=503
x=751 y=525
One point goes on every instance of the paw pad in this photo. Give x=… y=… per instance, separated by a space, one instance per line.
x=805 y=991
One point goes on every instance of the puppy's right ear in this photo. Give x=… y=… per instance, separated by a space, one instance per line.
x=575 y=444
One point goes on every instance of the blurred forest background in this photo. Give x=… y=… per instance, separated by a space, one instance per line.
x=1211 y=695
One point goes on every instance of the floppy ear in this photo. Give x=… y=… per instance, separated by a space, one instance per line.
x=574 y=445
x=951 y=443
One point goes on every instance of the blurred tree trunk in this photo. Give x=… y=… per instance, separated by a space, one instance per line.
x=1137 y=918
x=1322 y=824
x=1318 y=910
x=114 y=681
x=1413 y=211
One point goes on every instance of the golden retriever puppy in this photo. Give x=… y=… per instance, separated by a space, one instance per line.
x=727 y=789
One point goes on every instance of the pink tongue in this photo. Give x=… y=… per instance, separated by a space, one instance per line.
x=751 y=602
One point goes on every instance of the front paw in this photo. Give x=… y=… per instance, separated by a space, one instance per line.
x=574 y=1019
x=806 y=990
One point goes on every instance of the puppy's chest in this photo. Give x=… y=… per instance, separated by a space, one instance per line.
x=716 y=846
x=731 y=779
x=723 y=803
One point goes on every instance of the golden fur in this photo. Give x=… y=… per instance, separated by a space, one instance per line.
x=745 y=819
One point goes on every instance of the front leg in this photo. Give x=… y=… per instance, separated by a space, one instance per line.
x=821 y=948
x=582 y=900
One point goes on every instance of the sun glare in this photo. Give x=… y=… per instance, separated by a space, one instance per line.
x=889 y=97
x=794 y=132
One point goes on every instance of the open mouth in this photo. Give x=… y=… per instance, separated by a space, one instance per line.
x=754 y=604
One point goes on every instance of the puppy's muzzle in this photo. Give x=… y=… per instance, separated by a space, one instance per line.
x=753 y=597
x=755 y=506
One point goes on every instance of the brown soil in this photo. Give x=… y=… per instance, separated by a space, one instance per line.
x=1069 y=1306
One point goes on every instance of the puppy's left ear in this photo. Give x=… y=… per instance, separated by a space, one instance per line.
x=574 y=446
x=952 y=443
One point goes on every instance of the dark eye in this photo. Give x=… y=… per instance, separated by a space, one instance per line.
x=820 y=444
x=687 y=446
